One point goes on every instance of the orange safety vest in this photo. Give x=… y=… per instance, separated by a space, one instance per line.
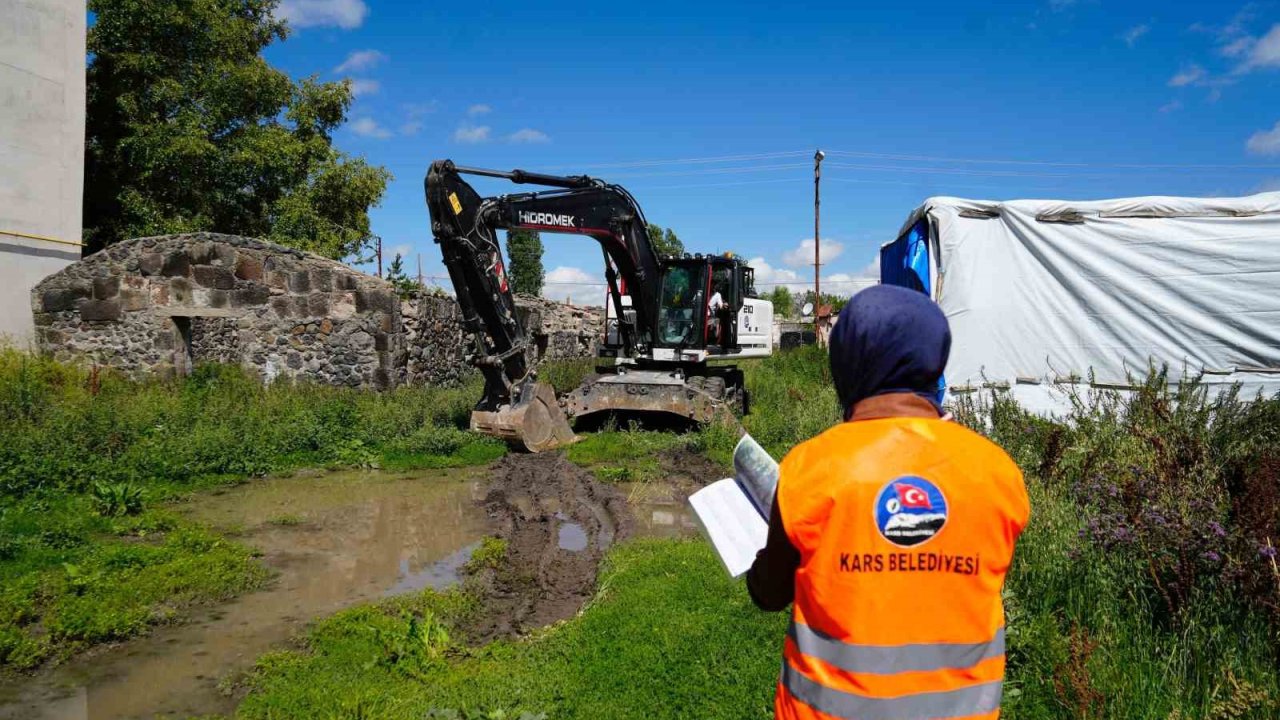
x=905 y=528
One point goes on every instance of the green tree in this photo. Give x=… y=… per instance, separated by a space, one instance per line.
x=399 y=279
x=782 y=301
x=664 y=240
x=188 y=128
x=524 y=262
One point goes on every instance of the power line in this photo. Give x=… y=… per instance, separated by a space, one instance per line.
x=715 y=171
x=691 y=161
x=1050 y=163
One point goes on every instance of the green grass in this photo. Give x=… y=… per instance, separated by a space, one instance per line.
x=566 y=375
x=1174 y=619
x=90 y=458
x=488 y=555
x=630 y=455
x=110 y=582
x=668 y=635
x=1090 y=635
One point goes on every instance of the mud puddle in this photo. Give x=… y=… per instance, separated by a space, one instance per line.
x=661 y=507
x=558 y=522
x=335 y=540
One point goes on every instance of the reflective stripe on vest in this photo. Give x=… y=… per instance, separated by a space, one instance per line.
x=972 y=700
x=889 y=659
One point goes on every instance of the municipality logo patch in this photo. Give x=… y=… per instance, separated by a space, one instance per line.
x=910 y=510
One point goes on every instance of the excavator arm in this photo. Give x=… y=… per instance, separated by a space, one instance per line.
x=465 y=225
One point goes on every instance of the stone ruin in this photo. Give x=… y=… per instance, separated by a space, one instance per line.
x=161 y=305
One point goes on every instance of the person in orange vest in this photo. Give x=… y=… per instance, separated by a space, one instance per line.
x=890 y=535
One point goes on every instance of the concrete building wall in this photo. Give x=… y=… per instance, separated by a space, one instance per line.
x=42 y=110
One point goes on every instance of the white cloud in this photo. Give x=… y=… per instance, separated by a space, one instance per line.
x=1238 y=47
x=360 y=86
x=1132 y=35
x=1265 y=142
x=802 y=255
x=404 y=250
x=841 y=283
x=1265 y=53
x=479 y=109
x=360 y=61
x=368 y=127
x=1189 y=75
x=414 y=112
x=1171 y=106
x=471 y=134
x=528 y=135
x=346 y=14
x=570 y=282
x=768 y=276
x=850 y=283
x=417 y=110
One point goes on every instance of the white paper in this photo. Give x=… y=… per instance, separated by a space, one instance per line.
x=730 y=521
x=734 y=512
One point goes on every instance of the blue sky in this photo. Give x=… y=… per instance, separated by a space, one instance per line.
x=710 y=112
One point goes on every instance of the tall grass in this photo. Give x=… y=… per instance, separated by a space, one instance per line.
x=88 y=554
x=1145 y=585
x=66 y=427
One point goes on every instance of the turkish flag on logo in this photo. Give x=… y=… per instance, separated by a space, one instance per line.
x=912 y=497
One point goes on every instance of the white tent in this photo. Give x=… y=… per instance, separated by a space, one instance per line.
x=1044 y=292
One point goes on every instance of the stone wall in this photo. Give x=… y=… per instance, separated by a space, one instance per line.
x=161 y=304
x=436 y=347
x=562 y=331
x=434 y=340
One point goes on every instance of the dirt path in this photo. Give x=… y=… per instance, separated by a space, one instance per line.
x=558 y=521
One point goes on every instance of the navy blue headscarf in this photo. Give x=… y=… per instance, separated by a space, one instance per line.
x=889 y=339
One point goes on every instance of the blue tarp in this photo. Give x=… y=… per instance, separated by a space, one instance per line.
x=905 y=261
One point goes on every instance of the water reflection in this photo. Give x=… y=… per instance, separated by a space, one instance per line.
x=335 y=540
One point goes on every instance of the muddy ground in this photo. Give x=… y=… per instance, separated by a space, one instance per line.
x=558 y=521
x=338 y=539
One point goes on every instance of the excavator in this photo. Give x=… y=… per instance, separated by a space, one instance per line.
x=666 y=317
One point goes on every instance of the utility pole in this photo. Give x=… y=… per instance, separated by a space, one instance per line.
x=378 y=239
x=817 y=256
x=420 y=285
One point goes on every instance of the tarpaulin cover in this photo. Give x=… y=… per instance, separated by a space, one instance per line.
x=1043 y=290
x=905 y=261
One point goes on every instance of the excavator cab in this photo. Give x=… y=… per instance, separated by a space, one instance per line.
x=703 y=303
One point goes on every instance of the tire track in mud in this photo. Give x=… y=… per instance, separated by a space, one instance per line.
x=558 y=521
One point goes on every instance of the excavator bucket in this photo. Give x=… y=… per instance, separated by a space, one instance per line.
x=535 y=420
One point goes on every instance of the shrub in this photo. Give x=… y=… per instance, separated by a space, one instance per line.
x=1145 y=576
x=116 y=499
